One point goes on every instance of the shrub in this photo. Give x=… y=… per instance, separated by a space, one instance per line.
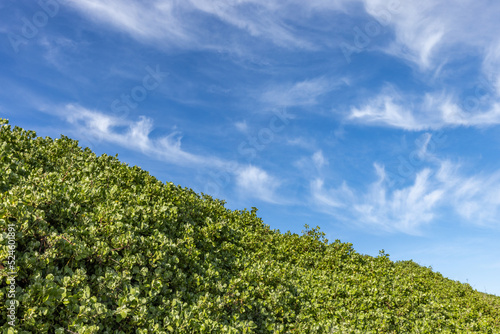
x=102 y=247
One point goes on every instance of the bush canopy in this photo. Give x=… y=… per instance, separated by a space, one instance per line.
x=91 y=245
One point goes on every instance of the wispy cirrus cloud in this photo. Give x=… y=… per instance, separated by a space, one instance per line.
x=491 y=65
x=301 y=93
x=437 y=36
x=135 y=135
x=250 y=181
x=154 y=20
x=439 y=189
x=386 y=110
x=432 y=111
x=198 y=23
x=423 y=30
x=430 y=32
x=254 y=182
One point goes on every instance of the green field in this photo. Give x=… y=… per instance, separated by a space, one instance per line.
x=102 y=247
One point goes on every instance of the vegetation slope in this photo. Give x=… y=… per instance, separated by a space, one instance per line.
x=102 y=247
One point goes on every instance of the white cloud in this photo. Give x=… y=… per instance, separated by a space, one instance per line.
x=433 y=34
x=136 y=136
x=491 y=65
x=433 y=111
x=250 y=181
x=301 y=93
x=438 y=188
x=157 y=19
x=428 y=31
x=310 y=165
x=319 y=159
x=424 y=142
x=331 y=198
x=383 y=110
x=241 y=126
x=257 y=183
x=476 y=198
x=302 y=142
x=259 y=18
x=184 y=23
x=379 y=208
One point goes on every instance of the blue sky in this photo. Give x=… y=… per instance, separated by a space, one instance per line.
x=376 y=120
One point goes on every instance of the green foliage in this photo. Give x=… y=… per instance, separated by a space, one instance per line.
x=103 y=247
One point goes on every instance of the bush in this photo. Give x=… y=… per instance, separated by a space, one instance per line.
x=102 y=247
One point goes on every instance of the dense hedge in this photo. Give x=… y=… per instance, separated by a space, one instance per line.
x=101 y=247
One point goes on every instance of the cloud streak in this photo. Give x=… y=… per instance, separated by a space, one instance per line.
x=250 y=181
x=196 y=23
x=438 y=189
x=432 y=111
x=257 y=183
x=302 y=93
x=135 y=136
x=428 y=30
